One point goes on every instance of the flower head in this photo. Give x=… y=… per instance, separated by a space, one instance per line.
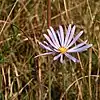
x=59 y=44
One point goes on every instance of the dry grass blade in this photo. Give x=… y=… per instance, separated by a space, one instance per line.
x=8 y=16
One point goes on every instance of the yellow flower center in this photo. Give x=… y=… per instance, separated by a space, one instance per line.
x=62 y=50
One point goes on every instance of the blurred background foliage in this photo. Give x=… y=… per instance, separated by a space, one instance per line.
x=22 y=23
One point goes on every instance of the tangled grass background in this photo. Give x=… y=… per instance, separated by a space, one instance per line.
x=22 y=77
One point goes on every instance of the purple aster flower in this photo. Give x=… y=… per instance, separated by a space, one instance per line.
x=61 y=45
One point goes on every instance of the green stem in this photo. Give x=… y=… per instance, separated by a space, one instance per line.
x=64 y=79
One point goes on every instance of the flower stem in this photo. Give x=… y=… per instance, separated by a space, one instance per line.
x=49 y=24
x=49 y=13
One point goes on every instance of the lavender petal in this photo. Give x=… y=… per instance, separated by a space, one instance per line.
x=45 y=42
x=62 y=35
x=52 y=38
x=56 y=50
x=71 y=35
x=44 y=54
x=44 y=46
x=48 y=39
x=75 y=39
x=51 y=46
x=71 y=57
x=67 y=34
x=54 y=35
x=79 y=45
x=59 y=36
x=61 y=58
x=56 y=57
x=80 y=49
